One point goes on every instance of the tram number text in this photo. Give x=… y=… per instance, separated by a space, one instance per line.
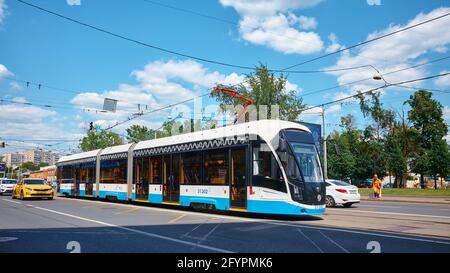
x=202 y=191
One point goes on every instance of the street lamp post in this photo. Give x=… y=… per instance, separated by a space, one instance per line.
x=324 y=139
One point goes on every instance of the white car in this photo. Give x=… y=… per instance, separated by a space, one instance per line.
x=7 y=185
x=341 y=193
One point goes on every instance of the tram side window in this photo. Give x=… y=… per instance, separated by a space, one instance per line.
x=66 y=174
x=216 y=167
x=155 y=170
x=266 y=172
x=87 y=173
x=191 y=166
x=113 y=171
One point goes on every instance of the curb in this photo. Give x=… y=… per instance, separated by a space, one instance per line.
x=407 y=201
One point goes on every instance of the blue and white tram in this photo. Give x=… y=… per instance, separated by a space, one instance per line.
x=265 y=166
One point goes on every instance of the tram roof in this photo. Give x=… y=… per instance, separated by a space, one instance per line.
x=116 y=149
x=78 y=156
x=267 y=129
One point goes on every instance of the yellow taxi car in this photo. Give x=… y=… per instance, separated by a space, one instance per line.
x=32 y=188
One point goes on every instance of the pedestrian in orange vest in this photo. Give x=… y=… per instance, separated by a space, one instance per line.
x=376 y=186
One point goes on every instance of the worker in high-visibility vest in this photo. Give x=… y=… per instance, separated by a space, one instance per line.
x=376 y=186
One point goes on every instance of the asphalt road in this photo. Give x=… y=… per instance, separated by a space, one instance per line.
x=65 y=225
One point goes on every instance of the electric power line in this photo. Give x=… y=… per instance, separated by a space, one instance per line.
x=213 y=61
x=369 y=41
x=377 y=88
x=134 y=40
x=384 y=74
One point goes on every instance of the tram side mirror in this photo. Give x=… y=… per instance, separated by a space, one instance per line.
x=282 y=145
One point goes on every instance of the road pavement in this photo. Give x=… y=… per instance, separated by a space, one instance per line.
x=65 y=225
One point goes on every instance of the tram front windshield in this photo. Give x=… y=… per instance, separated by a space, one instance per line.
x=306 y=155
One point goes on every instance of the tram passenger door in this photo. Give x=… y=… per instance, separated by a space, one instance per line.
x=76 y=182
x=238 y=183
x=142 y=168
x=171 y=189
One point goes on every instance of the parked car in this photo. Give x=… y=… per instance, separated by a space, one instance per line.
x=366 y=183
x=341 y=193
x=32 y=188
x=6 y=185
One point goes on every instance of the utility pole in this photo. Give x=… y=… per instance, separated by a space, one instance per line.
x=325 y=173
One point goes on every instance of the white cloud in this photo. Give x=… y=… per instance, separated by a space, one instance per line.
x=270 y=23
x=23 y=114
x=305 y=22
x=4 y=72
x=334 y=46
x=443 y=81
x=267 y=7
x=15 y=86
x=446 y=113
x=374 y=2
x=336 y=108
x=30 y=122
x=73 y=2
x=399 y=51
x=157 y=84
x=3 y=8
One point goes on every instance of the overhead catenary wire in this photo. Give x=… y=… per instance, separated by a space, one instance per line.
x=375 y=89
x=384 y=74
x=129 y=39
x=369 y=41
x=214 y=61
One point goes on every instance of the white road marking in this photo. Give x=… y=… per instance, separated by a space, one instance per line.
x=275 y=222
x=338 y=245
x=381 y=206
x=135 y=231
x=207 y=234
x=311 y=241
x=395 y=213
x=12 y=201
x=176 y=219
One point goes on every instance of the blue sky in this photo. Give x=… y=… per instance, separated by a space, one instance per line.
x=89 y=66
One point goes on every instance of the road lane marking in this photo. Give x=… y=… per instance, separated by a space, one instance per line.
x=381 y=206
x=176 y=219
x=94 y=206
x=311 y=241
x=338 y=245
x=12 y=201
x=126 y=211
x=136 y=231
x=207 y=234
x=397 y=213
x=277 y=222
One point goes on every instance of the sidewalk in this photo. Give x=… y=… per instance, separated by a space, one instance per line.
x=410 y=199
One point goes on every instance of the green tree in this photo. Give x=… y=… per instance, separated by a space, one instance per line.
x=439 y=158
x=100 y=140
x=29 y=166
x=383 y=118
x=341 y=162
x=136 y=133
x=264 y=88
x=396 y=162
x=427 y=118
x=43 y=164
